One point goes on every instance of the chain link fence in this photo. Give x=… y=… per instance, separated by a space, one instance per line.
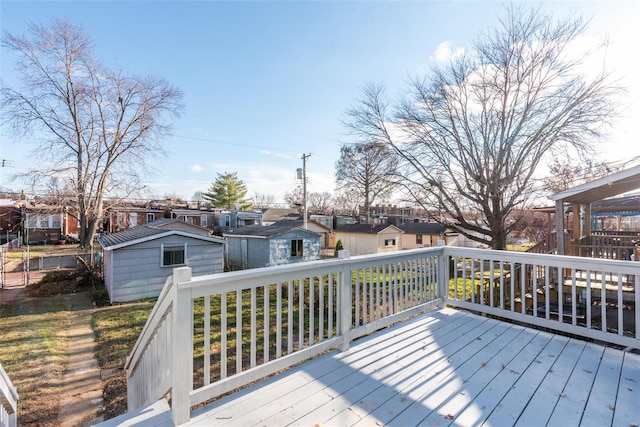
x=21 y=265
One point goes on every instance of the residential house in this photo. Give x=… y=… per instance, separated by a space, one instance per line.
x=44 y=224
x=138 y=260
x=260 y=246
x=326 y=220
x=362 y=239
x=198 y=217
x=388 y=214
x=225 y=220
x=122 y=217
x=421 y=234
x=10 y=219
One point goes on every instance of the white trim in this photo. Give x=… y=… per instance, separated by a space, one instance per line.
x=601 y=182
x=165 y=234
x=173 y=245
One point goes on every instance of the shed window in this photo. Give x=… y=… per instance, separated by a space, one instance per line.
x=390 y=242
x=173 y=255
x=296 y=248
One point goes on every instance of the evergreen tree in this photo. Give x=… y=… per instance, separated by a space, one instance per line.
x=227 y=192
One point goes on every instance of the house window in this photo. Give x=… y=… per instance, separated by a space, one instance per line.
x=56 y=222
x=227 y=221
x=418 y=239
x=32 y=221
x=390 y=242
x=44 y=222
x=151 y=217
x=173 y=255
x=121 y=219
x=296 y=248
x=203 y=220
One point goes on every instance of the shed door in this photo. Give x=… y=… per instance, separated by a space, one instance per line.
x=244 y=253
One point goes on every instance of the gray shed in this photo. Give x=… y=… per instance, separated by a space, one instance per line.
x=137 y=261
x=261 y=246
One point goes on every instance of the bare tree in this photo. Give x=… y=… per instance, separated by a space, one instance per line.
x=473 y=132
x=346 y=203
x=295 y=199
x=262 y=200
x=368 y=169
x=95 y=128
x=564 y=174
x=320 y=202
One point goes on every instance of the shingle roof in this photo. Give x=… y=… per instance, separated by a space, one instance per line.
x=267 y=231
x=362 y=228
x=143 y=232
x=422 y=228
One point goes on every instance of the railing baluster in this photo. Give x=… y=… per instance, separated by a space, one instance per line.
x=300 y=314
x=331 y=306
x=588 y=302
x=620 y=307
x=311 y=310
x=278 y=320
x=224 y=330
x=239 y=331
x=290 y=318
x=253 y=326
x=603 y=300
x=321 y=307
x=265 y=328
x=207 y=340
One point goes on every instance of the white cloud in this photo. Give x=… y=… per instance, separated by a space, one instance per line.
x=444 y=52
x=266 y=152
x=196 y=168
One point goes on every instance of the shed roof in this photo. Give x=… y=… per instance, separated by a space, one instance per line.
x=268 y=231
x=365 y=228
x=422 y=228
x=153 y=230
x=611 y=185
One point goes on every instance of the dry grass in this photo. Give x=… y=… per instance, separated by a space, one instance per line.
x=117 y=329
x=34 y=353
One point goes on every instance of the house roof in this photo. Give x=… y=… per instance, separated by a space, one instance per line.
x=268 y=231
x=275 y=214
x=365 y=228
x=153 y=230
x=300 y=223
x=422 y=228
x=608 y=186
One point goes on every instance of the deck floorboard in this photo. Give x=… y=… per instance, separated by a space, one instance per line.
x=447 y=367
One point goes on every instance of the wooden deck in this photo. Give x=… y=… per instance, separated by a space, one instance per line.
x=445 y=367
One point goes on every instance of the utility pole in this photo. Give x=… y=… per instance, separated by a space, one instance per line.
x=304 y=187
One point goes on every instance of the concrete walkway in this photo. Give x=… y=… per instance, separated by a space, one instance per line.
x=82 y=387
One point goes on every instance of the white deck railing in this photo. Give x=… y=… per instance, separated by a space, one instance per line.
x=8 y=401
x=211 y=334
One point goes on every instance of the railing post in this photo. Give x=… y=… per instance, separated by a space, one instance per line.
x=345 y=305
x=443 y=276
x=181 y=348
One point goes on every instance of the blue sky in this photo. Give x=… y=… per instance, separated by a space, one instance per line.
x=265 y=82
